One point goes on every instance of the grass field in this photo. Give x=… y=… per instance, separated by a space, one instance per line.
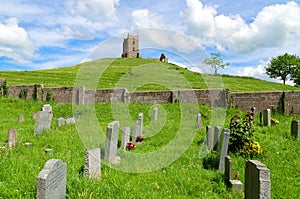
x=123 y=67
x=183 y=178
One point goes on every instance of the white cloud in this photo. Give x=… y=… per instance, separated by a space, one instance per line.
x=14 y=41
x=274 y=26
x=97 y=10
x=145 y=19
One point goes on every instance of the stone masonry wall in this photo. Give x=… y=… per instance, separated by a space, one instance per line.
x=287 y=101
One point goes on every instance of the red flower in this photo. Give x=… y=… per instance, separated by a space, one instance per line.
x=139 y=139
x=130 y=146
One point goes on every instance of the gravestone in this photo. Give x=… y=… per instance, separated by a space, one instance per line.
x=70 y=120
x=12 y=138
x=154 y=114
x=295 y=128
x=111 y=145
x=209 y=137
x=267 y=117
x=92 y=163
x=261 y=119
x=51 y=181
x=141 y=123
x=21 y=118
x=257 y=180
x=136 y=131
x=43 y=122
x=125 y=137
x=234 y=184
x=47 y=108
x=60 y=122
x=253 y=109
x=224 y=149
x=217 y=132
x=199 y=122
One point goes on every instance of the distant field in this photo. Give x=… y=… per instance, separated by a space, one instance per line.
x=124 y=67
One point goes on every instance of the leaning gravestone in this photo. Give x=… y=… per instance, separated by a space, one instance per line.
x=43 y=122
x=257 y=180
x=70 y=120
x=295 y=128
x=92 y=163
x=224 y=149
x=267 y=117
x=51 y=181
x=125 y=137
x=141 y=123
x=12 y=138
x=111 y=145
x=21 y=118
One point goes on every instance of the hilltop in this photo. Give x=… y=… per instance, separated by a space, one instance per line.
x=65 y=77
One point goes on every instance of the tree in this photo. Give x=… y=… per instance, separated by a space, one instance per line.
x=284 y=66
x=215 y=61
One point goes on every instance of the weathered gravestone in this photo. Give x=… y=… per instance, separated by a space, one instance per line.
x=154 y=114
x=51 y=181
x=199 y=122
x=60 y=122
x=209 y=137
x=267 y=117
x=21 y=118
x=253 y=109
x=125 y=137
x=234 y=184
x=70 y=120
x=111 y=145
x=43 y=122
x=92 y=163
x=257 y=180
x=224 y=149
x=295 y=128
x=12 y=138
x=141 y=123
x=217 y=132
x=47 y=108
x=34 y=115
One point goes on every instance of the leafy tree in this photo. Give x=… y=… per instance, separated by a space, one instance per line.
x=215 y=61
x=284 y=66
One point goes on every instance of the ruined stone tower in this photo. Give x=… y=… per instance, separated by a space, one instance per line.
x=131 y=46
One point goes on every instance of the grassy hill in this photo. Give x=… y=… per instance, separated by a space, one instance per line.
x=120 y=67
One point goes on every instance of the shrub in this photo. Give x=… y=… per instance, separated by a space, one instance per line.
x=241 y=133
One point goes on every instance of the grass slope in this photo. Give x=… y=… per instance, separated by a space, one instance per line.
x=184 y=178
x=125 y=67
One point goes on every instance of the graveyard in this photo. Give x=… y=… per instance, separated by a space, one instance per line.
x=32 y=149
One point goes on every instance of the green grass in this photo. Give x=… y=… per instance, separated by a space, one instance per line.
x=184 y=178
x=128 y=68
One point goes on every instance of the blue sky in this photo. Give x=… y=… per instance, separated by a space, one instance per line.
x=38 y=34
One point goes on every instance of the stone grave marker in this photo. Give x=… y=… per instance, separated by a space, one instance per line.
x=141 y=123
x=209 y=137
x=234 y=184
x=111 y=145
x=12 y=138
x=267 y=117
x=125 y=137
x=92 y=163
x=51 y=181
x=217 y=132
x=47 y=108
x=60 y=121
x=199 y=122
x=136 y=131
x=295 y=128
x=43 y=122
x=224 y=149
x=70 y=120
x=257 y=180
x=21 y=118
x=261 y=119
x=34 y=115
x=154 y=114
